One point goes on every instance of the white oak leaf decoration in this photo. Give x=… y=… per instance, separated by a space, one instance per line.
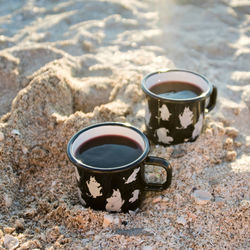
x=186 y=118
x=197 y=127
x=135 y=196
x=132 y=177
x=94 y=187
x=162 y=134
x=115 y=202
x=165 y=114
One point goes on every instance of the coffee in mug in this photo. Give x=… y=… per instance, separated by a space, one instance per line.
x=176 y=90
x=105 y=151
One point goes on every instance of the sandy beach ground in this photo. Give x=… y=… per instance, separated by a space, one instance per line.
x=68 y=64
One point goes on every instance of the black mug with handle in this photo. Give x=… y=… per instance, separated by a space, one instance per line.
x=176 y=116
x=110 y=160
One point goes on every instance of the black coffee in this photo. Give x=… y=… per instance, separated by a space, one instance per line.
x=108 y=151
x=176 y=90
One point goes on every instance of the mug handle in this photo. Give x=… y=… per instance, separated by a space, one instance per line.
x=212 y=100
x=157 y=161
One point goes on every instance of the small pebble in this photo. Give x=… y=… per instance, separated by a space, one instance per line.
x=245 y=204
x=132 y=213
x=181 y=220
x=30 y=212
x=117 y=221
x=19 y=223
x=110 y=219
x=209 y=132
x=157 y=199
x=10 y=242
x=217 y=128
x=1 y=136
x=232 y=132
x=178 y=152
x=228 y=145
x=15 y=132
x=165 y=199
x=24 y=149
x=231 y=156
x=201 y=197
x=107 y=220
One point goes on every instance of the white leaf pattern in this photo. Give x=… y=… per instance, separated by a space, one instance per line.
x=197 y=127
x=94 y=187
x=186 y=118
x=135 y=196
x=132 y=177
x=115 y=202
x=162 y=134
x=165 y=114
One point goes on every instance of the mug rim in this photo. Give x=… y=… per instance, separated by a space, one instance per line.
x=132 y=164
x=202 y=96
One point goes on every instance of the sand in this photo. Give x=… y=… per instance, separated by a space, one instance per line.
x=67 y=64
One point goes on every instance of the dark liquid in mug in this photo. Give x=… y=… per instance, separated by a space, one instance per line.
x=108 y=151
x=176 y=90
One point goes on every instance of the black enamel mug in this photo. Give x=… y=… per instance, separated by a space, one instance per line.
x=118 y=187
x=170 y=120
